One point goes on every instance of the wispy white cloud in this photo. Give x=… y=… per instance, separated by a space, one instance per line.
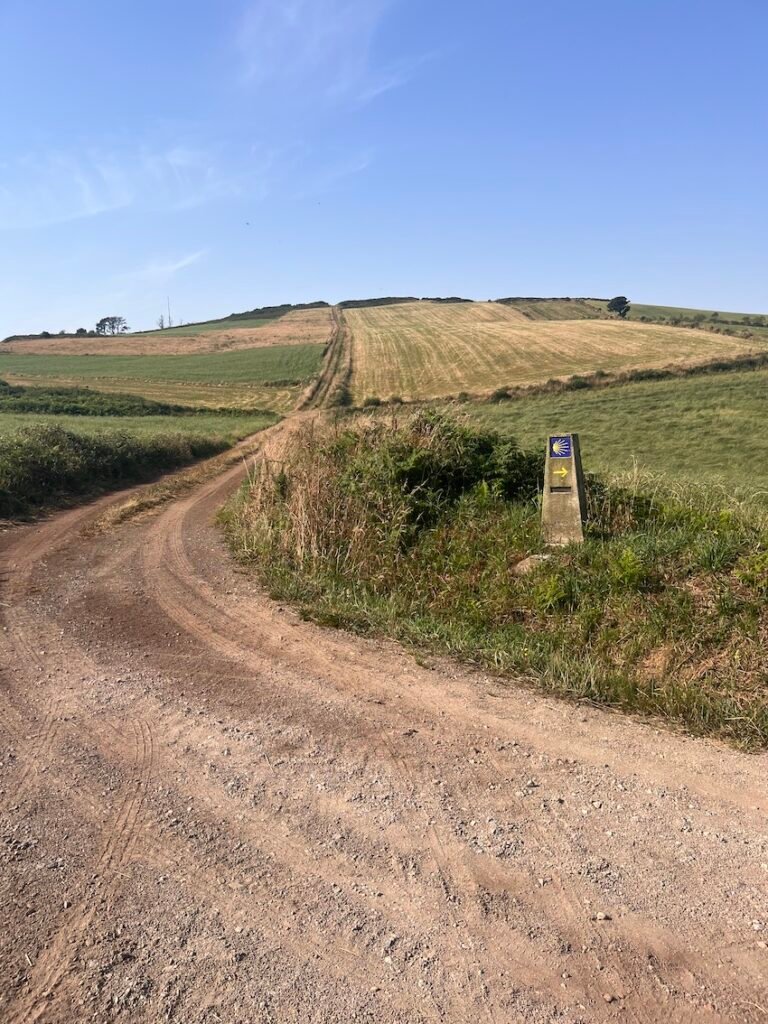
x=320 y=48
x=54 y=187
x=325 y=179
x=157 y=272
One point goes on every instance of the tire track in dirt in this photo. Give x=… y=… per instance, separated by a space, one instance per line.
x=194 y=607
x=346 y=735
x=336 y=369
x=181 y=601
x=451 y=877
x=180 y=612
x=51 y=972
x=124 y=833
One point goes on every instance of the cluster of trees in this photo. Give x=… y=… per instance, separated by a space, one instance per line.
x=107 y=325
x=619 y=304
x=111 y=325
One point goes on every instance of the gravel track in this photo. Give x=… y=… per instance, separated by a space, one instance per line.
x=211 y=810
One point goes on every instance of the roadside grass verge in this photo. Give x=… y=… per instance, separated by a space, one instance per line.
x=46 y=465
x=48 y=460
x=413 y=527
x=170 y=488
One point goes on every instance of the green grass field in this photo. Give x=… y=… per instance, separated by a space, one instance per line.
x=706 y=429
x=253 y=378
x=259 y=366
x=685 y=313
x=228 y=428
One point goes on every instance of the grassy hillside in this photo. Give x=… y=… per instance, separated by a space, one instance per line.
x=206 y=327
x=703 y=429
x=270 y=377
x=299 y=327
x=428 y=350
x=742 y=325
x=639 y=309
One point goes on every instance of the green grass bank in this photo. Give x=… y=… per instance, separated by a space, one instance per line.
x=414 y=527
x=701 y=429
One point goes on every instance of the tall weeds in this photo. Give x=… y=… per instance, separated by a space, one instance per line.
x=413 y=527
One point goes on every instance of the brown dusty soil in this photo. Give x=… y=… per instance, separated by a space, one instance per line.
x=211 y=811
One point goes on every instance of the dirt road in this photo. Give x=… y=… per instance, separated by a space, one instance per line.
x=213 y=811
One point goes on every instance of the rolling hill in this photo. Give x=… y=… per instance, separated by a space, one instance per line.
x=249 y=362
x=425 y=350
x=296 y=327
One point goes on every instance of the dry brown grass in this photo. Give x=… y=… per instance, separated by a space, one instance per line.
x=145 y=500
x=428 y=350
x=301 y=327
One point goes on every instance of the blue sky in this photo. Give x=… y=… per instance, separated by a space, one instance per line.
x=234 y=153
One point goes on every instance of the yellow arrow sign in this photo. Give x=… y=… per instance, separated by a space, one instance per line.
x=563 y=472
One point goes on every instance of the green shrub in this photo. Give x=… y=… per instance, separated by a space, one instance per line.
x=413 y=528
x=43 y=464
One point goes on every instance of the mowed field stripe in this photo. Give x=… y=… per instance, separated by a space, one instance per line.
x=430 y=350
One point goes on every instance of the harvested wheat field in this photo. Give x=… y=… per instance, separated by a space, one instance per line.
x=428 y=350
x=300 y=327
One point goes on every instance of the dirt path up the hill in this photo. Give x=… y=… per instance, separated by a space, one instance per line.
x=212 y=811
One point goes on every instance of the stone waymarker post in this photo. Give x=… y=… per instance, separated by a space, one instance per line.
x=563 y=508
